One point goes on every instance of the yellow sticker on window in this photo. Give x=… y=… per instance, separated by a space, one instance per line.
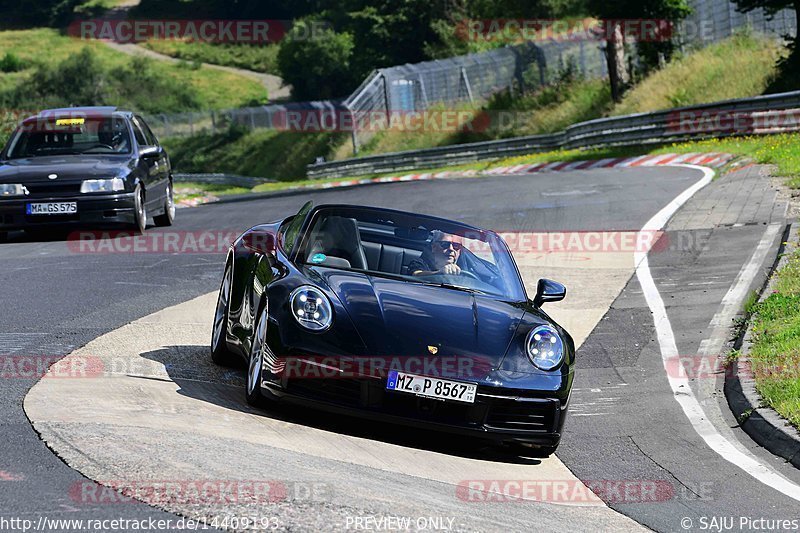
x=70 y=121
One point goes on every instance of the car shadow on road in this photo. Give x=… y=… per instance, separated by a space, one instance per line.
x=191 y=368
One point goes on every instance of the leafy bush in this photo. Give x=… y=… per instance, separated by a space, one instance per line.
x=317 y=68
x=250 y=57
x=82 y=79
x=11 y=63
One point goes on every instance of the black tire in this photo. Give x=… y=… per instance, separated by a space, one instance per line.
x=169 y=209
x=219 y=349
x=253 y=393
x=3 y=236
x=139 y=211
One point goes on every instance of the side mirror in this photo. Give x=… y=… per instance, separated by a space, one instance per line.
x=262 y=242
x=151 y=152
x=549 y=291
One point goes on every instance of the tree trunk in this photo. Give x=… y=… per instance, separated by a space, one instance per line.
x=618 y=73
x=795 y=51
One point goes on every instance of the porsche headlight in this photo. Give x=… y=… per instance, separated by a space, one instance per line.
x=110 y=185
x=311 y=308
x=12 y=189
x=545 y=347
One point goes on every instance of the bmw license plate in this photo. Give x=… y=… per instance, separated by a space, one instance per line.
x=53 y=208
x=440 y=389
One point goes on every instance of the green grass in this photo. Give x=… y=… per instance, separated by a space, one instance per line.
x=217 y=189
x=263 y=153
x=249 y=57
x=41 y=48
x=740 y=66
x=95 y=8
x=775 y=353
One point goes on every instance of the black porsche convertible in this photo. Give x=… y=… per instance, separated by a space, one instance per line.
x=397 y=317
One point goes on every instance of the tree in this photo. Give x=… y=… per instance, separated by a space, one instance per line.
x=787 y=66
x=319 y=67
x=18 y=14
x=613 y=13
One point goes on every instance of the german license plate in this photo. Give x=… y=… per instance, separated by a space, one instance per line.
x=441 y=389
x=53 y=208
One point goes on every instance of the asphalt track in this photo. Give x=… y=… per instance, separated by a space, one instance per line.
x=57 y=300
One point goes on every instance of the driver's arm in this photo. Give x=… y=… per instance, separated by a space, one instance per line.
x=447 y=269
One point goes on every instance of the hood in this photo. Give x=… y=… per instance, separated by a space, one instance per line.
x=400 y=318
x=67 y=167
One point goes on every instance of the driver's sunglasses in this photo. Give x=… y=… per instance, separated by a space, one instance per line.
x=447 y=244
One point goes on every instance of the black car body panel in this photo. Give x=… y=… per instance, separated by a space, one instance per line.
x=58 y=178
x=380 y=318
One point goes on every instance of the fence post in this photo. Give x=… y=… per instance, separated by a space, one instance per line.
x=386 y=93
x=423 y=92
x=582 y=59
x=466 y=83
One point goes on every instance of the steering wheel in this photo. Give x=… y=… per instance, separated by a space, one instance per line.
x=470 y=275
x=101 y=145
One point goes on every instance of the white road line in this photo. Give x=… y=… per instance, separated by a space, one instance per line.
x=732 y=301
x=669 y=352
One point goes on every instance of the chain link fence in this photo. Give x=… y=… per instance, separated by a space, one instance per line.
x=408 y=88
x=462 y=80
x=714 y=20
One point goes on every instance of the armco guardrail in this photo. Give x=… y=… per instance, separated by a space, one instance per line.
x=747 y=116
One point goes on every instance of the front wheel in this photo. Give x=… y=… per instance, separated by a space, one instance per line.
x=169 y=209
x=139 y=211
x=219 y=348
x=253 y=392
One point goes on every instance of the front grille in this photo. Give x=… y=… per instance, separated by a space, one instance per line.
x=53 y=189
x=430 y=410
x=538 y=416
x=340 y=391
x=50 y=219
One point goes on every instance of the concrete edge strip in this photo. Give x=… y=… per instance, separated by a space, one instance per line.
x=761 y=422
x=682 y=391
x=718 y=160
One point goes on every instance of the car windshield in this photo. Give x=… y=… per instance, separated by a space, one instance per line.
x=411 y=248
x=69 y=136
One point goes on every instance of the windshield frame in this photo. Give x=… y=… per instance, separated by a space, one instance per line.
x=25 y=125
x=506 y=265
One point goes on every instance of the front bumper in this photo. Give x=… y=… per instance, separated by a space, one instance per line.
x=499 y=414
x=96 y=210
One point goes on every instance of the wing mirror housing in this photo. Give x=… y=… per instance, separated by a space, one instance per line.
x=549 y=291
x=151 y=152
x=260 y=241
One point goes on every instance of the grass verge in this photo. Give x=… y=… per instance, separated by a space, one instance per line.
x=45 y=53
x=264 y=153
x=775 y=353
x=250 y=57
